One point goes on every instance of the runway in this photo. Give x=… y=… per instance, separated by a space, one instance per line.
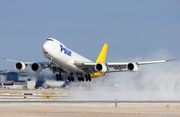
x=77 y=101
x=29 y=98
x=50 y=103
x=88 y=109
x=66 y=99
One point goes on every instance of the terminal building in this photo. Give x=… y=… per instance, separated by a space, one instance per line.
x=2 y=76
x=24 y=80
x=13 y=76
x=15 y=80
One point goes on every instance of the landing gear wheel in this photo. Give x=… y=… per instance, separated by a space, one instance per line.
x=89 y=77
x=72 y=79
x=82 y=79
x=69 y=78
x=57 y=77
x=60 y=77
x=79 y=79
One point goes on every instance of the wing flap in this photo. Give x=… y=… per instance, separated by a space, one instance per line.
x=79 y=63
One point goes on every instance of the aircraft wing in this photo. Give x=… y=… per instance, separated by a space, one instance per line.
x=38 y=66
x=115 y=67
x=42 y=65
x=29 y=63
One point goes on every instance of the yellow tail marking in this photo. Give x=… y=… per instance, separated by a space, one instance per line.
x=102 y=56
x=101 y=59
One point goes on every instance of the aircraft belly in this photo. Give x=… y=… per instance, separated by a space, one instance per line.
x=70 y=69
x=66 y=64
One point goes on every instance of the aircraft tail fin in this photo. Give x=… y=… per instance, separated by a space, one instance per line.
x=102 y=56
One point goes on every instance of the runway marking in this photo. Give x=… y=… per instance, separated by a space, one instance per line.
x=46 y=96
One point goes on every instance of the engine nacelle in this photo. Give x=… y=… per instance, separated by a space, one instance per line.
x=36 y=67
x=21 y=66
x=132 y=67
x=101 y=67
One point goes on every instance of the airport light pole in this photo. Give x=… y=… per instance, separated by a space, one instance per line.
x=5 y=75
x=21 y=74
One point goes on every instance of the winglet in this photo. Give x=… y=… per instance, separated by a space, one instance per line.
x=170 y=60
x=102 y=56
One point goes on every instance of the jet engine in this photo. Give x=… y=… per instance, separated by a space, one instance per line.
x=36 y=67
x=101 y=67
x=21 y=66
x=133 y=67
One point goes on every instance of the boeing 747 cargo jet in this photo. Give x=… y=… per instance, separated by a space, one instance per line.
x=63 y=60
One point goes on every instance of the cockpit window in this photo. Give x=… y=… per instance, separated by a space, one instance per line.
x=49 y=39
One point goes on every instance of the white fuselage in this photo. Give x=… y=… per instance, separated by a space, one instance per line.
x=58 y=53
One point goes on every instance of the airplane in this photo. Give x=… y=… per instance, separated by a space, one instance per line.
x=55 y=84
x=63 y=60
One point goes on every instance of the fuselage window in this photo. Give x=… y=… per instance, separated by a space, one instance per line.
x=49 y=39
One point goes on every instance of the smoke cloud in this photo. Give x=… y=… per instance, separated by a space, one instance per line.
x=152 y=82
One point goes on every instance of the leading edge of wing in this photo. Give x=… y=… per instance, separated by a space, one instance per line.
x=17 y=61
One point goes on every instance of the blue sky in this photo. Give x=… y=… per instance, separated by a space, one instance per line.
x=84 y=26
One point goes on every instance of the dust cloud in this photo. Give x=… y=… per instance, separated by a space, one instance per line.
x=151 y=82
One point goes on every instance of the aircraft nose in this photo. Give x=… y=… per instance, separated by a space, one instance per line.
x=48 y=48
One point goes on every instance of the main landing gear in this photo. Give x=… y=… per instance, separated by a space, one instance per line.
x=71 y=78
x=81 y=79
x=88 y=77
x=58 y=77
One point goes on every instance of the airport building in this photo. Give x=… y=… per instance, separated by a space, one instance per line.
x=13 y=76
x=2 y=76
x=15 y=80
x=23 y=80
